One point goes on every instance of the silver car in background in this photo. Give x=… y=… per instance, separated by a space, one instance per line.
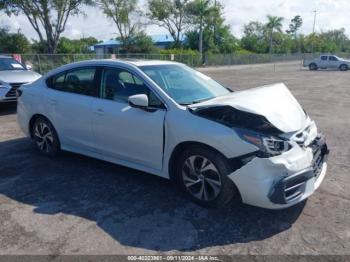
x=327 y=62
x=12 y=75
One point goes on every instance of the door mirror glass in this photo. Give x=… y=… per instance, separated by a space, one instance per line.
x=29 y=67
x=138 y=101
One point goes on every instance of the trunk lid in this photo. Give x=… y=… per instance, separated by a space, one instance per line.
x=275 y=102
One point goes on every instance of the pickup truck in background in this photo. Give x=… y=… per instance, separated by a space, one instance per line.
x=327 y=62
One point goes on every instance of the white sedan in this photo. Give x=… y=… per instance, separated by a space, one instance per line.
x=167 y=119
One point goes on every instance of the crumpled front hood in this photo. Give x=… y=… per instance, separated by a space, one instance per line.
x=18 y=76
x=275 y=102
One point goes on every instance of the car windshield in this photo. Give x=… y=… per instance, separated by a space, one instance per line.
x=183 y=84
x=10 y=64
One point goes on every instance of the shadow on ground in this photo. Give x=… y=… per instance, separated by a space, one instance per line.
x=134 y=208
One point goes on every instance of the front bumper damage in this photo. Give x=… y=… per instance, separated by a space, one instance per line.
x=284 y=180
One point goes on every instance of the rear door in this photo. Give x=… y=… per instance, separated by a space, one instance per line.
x=123 y=132
x=323 y=61
x=73 y=93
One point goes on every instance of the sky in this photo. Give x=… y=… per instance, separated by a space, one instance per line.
x=331 y=14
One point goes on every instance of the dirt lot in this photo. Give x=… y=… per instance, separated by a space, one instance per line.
x=78 y=205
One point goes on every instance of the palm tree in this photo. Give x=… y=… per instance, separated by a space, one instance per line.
x=274 y=24
x=198 y=10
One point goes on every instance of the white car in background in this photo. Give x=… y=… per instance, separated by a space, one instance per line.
x=12 y=76
x=167 y=119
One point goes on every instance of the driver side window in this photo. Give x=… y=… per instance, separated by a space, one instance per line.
x=118 y=84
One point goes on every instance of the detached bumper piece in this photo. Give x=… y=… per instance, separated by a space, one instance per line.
x=292 y=187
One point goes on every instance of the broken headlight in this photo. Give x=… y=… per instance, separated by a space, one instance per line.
x=269 y=146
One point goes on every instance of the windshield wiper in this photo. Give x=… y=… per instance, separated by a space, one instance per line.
x=196 y=101
x=201 y=100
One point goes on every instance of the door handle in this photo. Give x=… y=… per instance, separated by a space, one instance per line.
x=53 y=102
x=99 y=112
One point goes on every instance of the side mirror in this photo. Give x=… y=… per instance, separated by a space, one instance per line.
x=138 y=101
x=29 y=67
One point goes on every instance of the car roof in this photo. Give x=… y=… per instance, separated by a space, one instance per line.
x=134 y=62
x=110 y=62
x=4 y=56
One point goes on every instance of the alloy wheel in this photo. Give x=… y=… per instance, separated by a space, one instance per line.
x=43 y=137
x=201 y=178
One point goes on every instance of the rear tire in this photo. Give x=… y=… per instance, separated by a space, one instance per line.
x=343 y=67
x=202 y=174
x=45 y=137
x=313 y=67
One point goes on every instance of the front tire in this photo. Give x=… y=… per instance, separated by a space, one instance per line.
x=45 y=137
x=202 y=174
x=343 y=67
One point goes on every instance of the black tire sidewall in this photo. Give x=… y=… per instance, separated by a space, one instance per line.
x=228 y=189
x=313 y=67
x=343 y=67
x=55 y=145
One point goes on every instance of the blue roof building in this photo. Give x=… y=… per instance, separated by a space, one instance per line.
x=113 y=46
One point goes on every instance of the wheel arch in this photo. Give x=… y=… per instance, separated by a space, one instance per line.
x=32 y=121
x=186 y=144
x=343 y=64
x=179 y=149
x=313 y=64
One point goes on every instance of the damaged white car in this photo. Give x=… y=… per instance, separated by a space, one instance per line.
x=167 y=119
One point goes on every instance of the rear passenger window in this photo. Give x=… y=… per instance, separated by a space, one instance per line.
x=80 y=81
x=323 y=58
x=58 y=82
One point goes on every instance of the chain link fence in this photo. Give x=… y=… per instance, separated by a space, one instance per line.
x=43 y=63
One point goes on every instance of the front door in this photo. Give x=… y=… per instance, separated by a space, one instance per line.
x=127 y=133
x=333 y=62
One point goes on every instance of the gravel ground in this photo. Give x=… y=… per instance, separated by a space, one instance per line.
x=77 y=205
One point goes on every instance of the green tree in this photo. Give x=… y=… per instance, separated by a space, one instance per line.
x=47 y=17
x=295 y=25
x=76 y=46
x=169 y=14
x=219 y=41
x=142 y=43
x=274 y=24
x=255 y=37
x=198 y=13
x=125 y=15
x=338 y=37
x=13 y=42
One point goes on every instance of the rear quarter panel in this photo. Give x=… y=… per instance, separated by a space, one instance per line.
x=34 y=100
